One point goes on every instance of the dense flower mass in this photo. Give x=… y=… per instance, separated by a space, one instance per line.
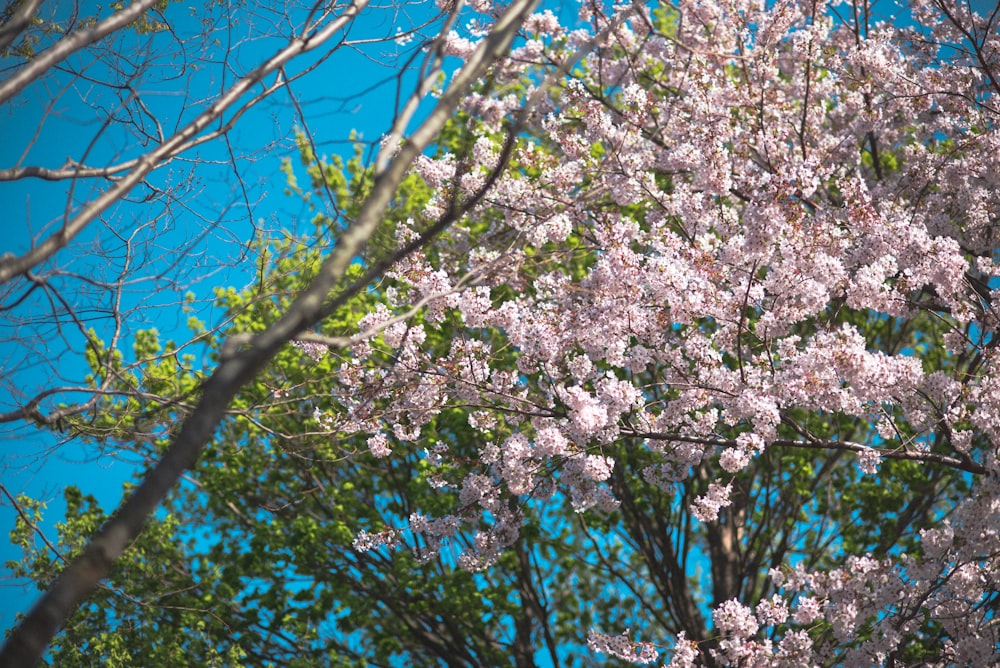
x=739 y=242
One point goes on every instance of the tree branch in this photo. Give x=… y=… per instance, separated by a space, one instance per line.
x=66 y=47
x=827 y=444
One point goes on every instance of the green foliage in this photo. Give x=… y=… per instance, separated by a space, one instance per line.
x=156 y=609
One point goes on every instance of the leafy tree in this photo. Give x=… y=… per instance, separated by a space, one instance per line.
x=704 y=359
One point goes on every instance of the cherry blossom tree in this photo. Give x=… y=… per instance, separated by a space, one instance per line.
x=745 y=267
x=700 y=366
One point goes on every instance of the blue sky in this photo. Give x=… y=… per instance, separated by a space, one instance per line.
x=210 y=225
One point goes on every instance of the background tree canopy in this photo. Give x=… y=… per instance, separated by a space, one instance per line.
x=658 y=334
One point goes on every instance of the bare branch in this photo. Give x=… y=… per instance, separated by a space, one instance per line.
x=70 y=45
x=18 y=22
x=11 y=265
